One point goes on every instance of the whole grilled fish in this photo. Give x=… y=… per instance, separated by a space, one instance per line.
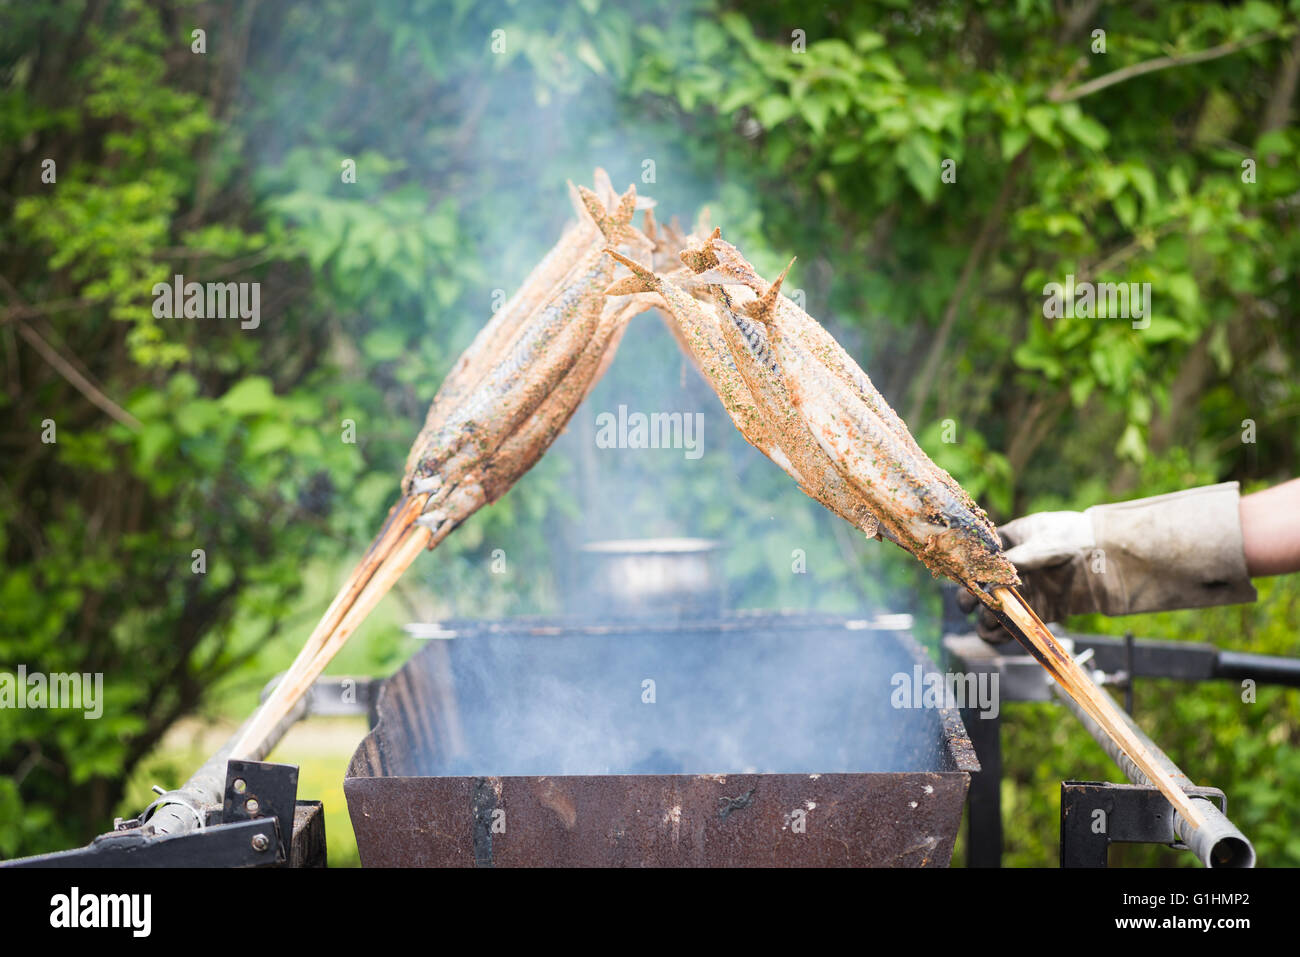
x=913 y=498
x=820 y=479
x=538 y=356
x=716 y=260
x=453 y=468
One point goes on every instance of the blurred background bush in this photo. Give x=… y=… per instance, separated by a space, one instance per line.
x=816 y=131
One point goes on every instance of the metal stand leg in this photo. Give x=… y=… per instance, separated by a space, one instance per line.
x=984 y=809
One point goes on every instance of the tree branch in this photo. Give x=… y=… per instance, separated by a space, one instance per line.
x=75 y=378
x=1151 y=66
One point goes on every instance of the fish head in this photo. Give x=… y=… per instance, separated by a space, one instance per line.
x=967 y=543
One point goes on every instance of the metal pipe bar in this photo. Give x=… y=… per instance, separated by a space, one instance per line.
x=1264 y=669
x=1217 y=843
x=1187 y=661
x=196 y=803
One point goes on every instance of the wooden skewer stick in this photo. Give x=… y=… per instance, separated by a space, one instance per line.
x=1100 y=706
x=391 y=554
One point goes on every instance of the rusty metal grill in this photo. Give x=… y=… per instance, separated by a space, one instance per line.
x=770 y=740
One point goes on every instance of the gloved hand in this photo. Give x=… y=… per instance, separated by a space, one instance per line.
x=1180 y=550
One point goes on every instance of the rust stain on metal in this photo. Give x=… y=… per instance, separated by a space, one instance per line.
x=551 y=796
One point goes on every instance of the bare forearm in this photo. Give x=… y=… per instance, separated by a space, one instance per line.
x=1270 y=529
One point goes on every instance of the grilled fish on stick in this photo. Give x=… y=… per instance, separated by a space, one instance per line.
x=497 y=332
x=915 y=501
x=748 y=392
x=718 y=261
x=752 y=353
x=911 y=497
x=449 y=473
x=538 y=355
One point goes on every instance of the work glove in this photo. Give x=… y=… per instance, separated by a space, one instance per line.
x=1180 y=550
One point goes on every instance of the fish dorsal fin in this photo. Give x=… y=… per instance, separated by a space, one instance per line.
x=579 y=207
x=731 y=262
x=614 y=226
x=764 y=307
x=641 y=280
x=593 y=209
x=650 y=228
x=623 y=213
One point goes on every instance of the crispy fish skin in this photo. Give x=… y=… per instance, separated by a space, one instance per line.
x=720 y=261
x=541 y=352
x=549 y=275
x=747 y=340
x=529 y=443
x=697 y=330
x=921 y=513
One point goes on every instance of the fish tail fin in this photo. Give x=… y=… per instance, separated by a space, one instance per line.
x=641 y=280
x=703 y=257
x=764 y=307
x=575 y=199
x=604 y=187
x=615 y=226
x=650 y=227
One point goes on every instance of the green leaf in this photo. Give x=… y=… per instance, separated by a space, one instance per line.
x=1014 y=139
x=272 y=435
x=1182 y=288
x=868 y=40
x=587 y=54
x=1085 y=129
x=815 y=111
x=1041 y=120
x=1131 y=445
x=152 y=439
x=846 y=151
x=918 y=159
x=773 y=110
x=1126 y=209
x=250 y=396
x=1259 y=16
x=1144 y=183
x=1275 y=142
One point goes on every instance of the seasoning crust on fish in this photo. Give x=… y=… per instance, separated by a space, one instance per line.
x=919 y=505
